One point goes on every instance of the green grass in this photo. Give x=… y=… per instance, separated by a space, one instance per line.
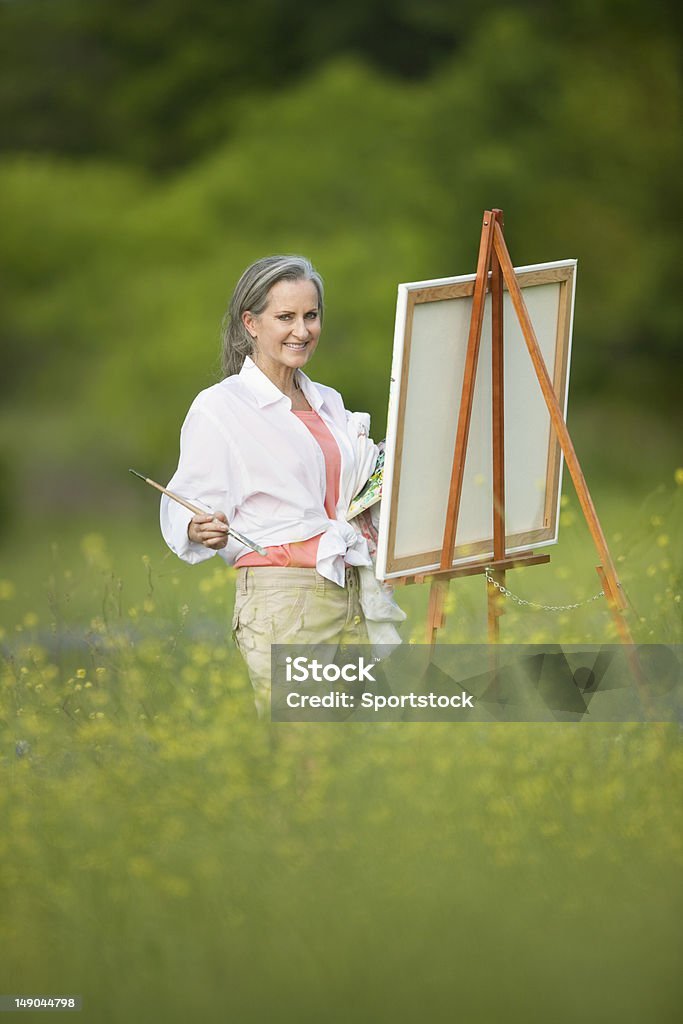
x=170 y=858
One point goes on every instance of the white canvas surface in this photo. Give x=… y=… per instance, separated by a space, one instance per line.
x=437 y=360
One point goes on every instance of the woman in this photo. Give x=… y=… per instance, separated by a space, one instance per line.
x=278 y=458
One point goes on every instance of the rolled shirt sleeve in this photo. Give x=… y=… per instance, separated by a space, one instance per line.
x=208 y=476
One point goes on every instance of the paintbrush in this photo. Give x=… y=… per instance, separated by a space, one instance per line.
x=201 y=512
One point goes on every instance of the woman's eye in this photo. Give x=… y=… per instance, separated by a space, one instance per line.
x=312 y=315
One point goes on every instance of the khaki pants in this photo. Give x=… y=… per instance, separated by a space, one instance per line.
x=289 y=605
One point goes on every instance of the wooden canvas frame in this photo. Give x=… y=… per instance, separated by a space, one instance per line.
x=555 y=288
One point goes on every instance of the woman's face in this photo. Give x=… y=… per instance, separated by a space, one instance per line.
x=286 y=333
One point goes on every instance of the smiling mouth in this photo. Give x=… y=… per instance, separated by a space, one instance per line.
x=298 y=347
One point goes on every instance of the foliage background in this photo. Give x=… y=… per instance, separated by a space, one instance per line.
x=150 y=151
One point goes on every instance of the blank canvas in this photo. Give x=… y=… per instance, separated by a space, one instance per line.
x=430 y=342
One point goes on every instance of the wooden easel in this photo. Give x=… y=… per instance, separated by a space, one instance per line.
x=494 y=256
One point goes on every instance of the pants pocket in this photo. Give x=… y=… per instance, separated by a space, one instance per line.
x=284 y=610
x=247 y=622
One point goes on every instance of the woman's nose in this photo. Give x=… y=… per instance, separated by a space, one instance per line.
x=300 y=330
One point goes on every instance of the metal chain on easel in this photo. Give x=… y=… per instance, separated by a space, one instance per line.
x=539 y=607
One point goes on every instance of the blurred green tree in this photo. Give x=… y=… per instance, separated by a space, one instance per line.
x=159 y=82
x=114 y=280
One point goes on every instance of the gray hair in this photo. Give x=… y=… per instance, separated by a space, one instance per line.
x=251 y=295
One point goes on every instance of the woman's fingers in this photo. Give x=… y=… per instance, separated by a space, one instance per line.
x=217 y=532
x=216 y=543
x=209 y=530
x=218 y=537
x=196 y=526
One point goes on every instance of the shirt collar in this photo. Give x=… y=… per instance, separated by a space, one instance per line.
x=266 y=393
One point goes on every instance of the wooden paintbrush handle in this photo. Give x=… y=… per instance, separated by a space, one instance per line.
x=176 y=497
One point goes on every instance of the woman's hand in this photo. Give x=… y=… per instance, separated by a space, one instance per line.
x=211 y=531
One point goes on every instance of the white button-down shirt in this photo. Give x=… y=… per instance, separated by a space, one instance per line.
x=243 y=452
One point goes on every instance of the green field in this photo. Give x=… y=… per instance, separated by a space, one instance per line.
x=170 y=858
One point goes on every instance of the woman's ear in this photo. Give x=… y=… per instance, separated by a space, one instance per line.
x=249 y=321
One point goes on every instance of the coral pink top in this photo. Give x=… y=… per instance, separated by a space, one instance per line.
x=303 y=554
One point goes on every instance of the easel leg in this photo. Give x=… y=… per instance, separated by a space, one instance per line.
x=494 y=600
x=611 y=582
x=615 y=608
x=436 y=618
x=617 y=612
x=468 y=386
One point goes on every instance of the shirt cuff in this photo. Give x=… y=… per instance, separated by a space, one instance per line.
x=174 y=522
